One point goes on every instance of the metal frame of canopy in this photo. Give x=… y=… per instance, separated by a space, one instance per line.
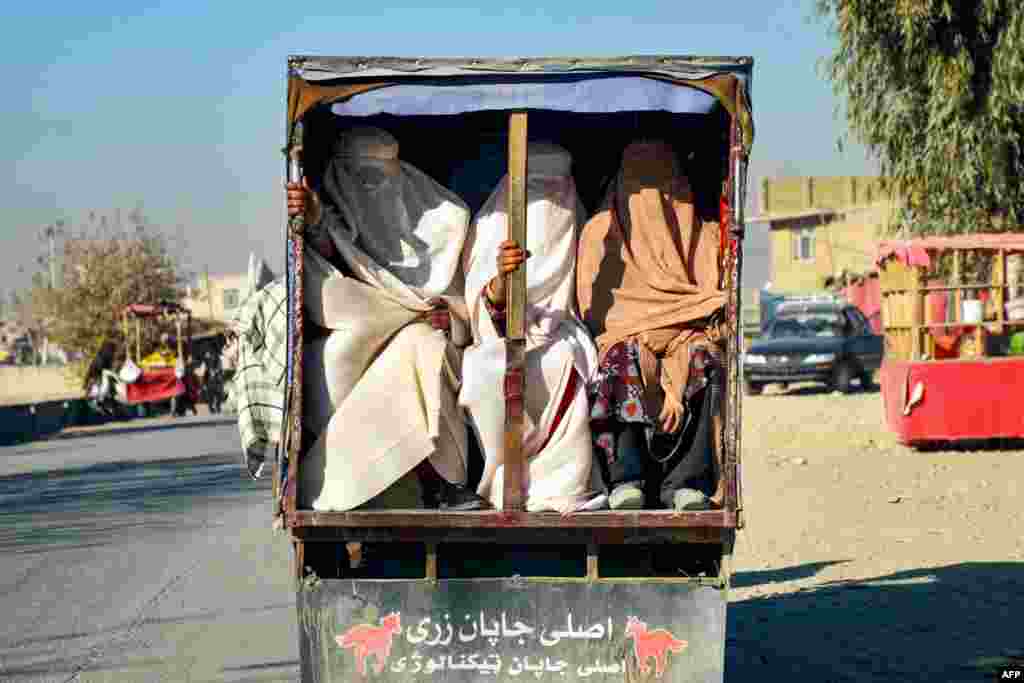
x=161 y=310
x=316 y=81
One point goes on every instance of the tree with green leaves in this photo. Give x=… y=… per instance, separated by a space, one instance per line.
x=935 y=90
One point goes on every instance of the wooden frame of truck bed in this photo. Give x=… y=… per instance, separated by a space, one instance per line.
x=317 y=536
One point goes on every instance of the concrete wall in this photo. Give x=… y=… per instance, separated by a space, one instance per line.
x=800 y=193
x=218 y=298
x=21 y=384
x=846 y=242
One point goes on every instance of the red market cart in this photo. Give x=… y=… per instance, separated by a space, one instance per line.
x=954 y=328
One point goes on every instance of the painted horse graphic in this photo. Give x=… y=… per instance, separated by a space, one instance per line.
x=654 y=645
x=365 y=640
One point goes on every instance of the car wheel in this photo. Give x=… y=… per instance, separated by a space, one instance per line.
x=844 y=378
x=754 y=389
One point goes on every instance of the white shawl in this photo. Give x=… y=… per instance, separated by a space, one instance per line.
x=402 y=235
x=556 y=340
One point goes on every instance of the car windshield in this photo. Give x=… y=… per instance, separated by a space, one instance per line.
x=806 y=326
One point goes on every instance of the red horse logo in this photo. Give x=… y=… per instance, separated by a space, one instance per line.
x=652 y=644
x=366 y=640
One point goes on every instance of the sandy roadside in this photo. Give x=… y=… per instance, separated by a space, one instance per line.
x=864 y=560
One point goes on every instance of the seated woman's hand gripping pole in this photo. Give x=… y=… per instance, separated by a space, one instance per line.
x=302 y=201
x=510 y=257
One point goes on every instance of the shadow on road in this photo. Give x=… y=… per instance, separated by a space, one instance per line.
x=85 y=506
x=800 y=571
x=818 y=389
x=953 y=623
x=970 y=445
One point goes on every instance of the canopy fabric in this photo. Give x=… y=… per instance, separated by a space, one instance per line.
x=915 y=252
x=583 y=94
x=319 y=80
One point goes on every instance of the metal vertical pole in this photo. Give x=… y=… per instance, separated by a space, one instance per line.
x=52 y=234
x=739 y=192
x=514 y=494
x=291 y=431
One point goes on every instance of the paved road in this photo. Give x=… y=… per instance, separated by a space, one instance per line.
x=140 y=553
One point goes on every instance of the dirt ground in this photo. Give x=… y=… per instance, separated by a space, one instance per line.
x=863 y=560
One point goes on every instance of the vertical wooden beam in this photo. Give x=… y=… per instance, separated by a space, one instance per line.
x=299 y=559
x=957 y=293
x=517 y=168
x=138 y=341
x=430 y=570
x=177 y=333
x=513 y=494
x=1000 y=293
x=917 y=311
x=928 y=345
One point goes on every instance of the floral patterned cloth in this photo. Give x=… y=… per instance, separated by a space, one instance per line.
x=497 y=313
x=617 y=396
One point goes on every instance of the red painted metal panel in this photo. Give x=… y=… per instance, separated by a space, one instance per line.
x=159 y=384
x=962 y=399
x=867 y=297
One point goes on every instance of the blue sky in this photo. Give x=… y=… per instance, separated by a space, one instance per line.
x=180 y=105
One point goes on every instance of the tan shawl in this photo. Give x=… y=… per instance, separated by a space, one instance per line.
x=648 y=270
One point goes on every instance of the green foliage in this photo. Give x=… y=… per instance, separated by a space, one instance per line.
x=104 y=267
x=935 y=89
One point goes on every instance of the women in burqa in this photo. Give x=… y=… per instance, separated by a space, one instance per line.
x=560 y=357
x=381 y=385
x=648 y=282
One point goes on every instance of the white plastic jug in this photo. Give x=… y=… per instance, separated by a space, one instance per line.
x=973 y=311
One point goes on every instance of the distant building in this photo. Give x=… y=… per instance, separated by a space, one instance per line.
x=216 y=297
x=822 y=226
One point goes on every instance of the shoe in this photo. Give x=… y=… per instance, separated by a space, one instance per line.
x=254 y=461
x=453 y=498
x=689 y=500
x=626 y=497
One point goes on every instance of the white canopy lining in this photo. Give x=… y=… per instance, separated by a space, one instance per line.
x=589 y=95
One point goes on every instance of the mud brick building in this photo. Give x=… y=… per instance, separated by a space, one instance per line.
x=821 y=226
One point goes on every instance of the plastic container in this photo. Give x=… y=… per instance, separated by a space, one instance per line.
x=973 y=311
x=1017 y=344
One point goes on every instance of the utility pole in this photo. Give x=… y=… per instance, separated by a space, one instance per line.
x=52 y=232
x=209 y=291
x=52 y=260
